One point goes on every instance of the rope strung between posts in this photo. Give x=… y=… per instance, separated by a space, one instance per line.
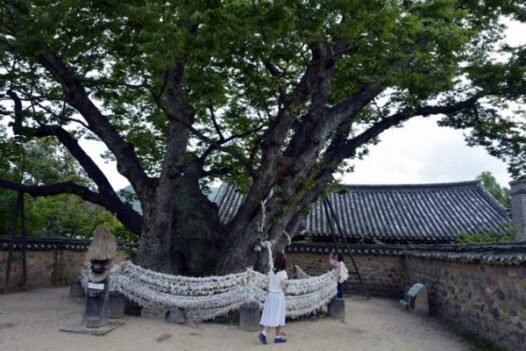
x=300 y=273
x=204 y=298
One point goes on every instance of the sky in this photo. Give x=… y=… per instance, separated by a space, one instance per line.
x=422 y=152
x=419 y=152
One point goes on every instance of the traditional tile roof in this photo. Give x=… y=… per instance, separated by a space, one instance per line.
x=35 y=243
x=425 y=213
x=513 y=253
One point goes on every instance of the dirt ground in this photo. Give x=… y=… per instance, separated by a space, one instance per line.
x=31 y=320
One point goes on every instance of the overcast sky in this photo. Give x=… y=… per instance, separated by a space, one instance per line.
x=422 y=152
x=419 y=152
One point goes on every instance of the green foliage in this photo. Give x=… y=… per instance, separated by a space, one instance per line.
x=41 y=161
x=501 y=194
x=484 y=235
x=124 y=54
x=68 y=215
x=121 y=50
x=305 y=239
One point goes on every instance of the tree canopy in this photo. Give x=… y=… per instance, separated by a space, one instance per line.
x=40 y=162
x=501 y=193
x=264 y=94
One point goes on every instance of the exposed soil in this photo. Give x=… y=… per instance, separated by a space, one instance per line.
x=31 y=320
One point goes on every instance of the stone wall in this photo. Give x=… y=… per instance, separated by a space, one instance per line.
x=489 y=300
x=479 y=287
x=44 y=268
x=384 y=275
x=50 y=261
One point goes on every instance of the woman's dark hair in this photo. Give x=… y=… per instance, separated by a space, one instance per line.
x=340 y=257
x=280 y=262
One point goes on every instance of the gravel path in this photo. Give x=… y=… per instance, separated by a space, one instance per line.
x=31 y=321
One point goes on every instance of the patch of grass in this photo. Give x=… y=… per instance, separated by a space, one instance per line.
x=484 y=236
x=478 y=343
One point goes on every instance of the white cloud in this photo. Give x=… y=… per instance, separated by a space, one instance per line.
x=95 y=149
x=515 y=32
x=422 y=152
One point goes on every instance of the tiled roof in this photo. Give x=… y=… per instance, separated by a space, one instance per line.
x=48 y=244
x=513 y=253
x=398 y=213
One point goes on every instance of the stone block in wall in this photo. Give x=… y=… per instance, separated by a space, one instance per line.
x=485 y=299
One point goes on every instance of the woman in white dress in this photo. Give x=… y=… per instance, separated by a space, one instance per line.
x=273 y=315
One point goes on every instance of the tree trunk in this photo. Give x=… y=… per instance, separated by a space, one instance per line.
x=197 y=233
x=181 y=229
x=154 y=247
x=238 y=252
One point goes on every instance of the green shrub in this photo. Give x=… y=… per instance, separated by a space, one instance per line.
x=489 y=236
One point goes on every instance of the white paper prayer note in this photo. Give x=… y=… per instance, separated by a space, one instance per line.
x=96 y=286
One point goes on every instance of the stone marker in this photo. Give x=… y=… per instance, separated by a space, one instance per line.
x=416 y=299
x=249 y=317
x=102 y=250
x=337 y=308
x=176 y=315
x=76 y=289
x=116 y=305
x=419 y=297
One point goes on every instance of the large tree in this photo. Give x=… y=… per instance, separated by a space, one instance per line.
x=501 y=193
x=264 y=94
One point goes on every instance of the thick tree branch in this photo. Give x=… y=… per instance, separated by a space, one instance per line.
x=218 y=145
x=311 y=85
x=341 y=148
x=216 y=125
x=54 y=189
x=109 y=199
x=75 y=95
x=348 y=148
x=354 y=103
x=125 y=214
x=67 y=140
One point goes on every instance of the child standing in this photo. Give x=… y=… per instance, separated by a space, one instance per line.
x=273 y=315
